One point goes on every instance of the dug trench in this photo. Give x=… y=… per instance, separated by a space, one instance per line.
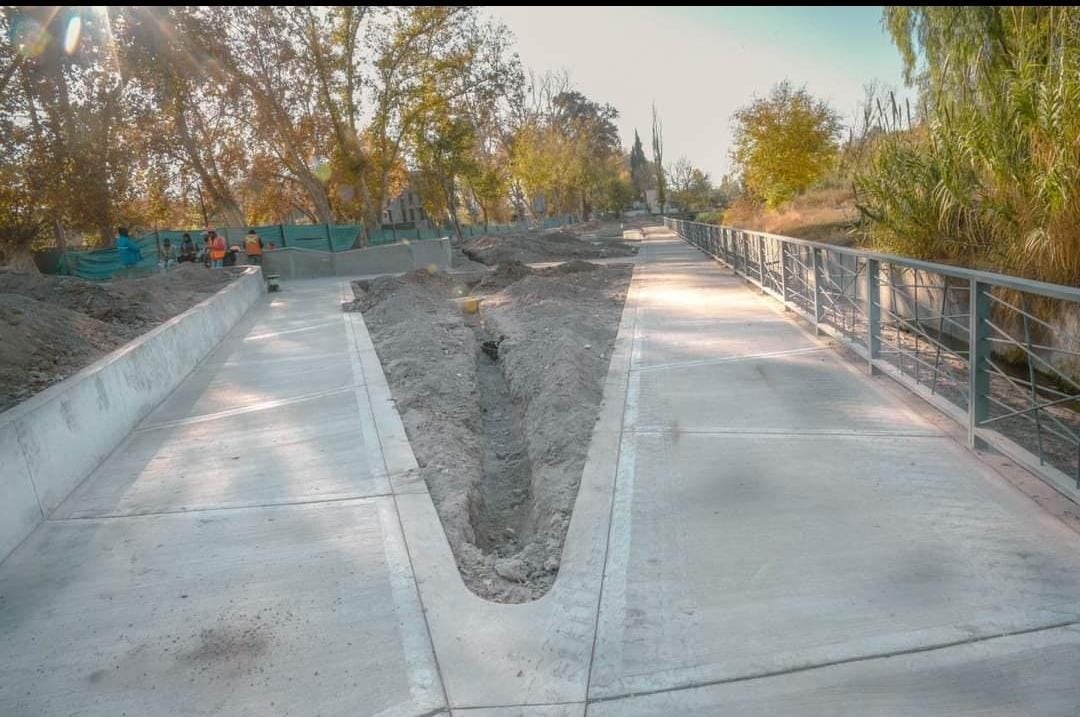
x=499 y=405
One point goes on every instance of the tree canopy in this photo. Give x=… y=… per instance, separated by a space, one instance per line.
x=237 y=115
x=784 y=143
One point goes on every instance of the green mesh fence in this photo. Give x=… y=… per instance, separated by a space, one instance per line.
x=102 y=264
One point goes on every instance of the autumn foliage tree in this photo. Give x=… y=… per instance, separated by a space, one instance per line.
x=155 y=116
x=784 y=143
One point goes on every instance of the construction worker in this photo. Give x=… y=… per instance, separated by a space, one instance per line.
x=187 y=249
x=253 y=247
x=129 y=251
x=217 y=250
x=166 y=255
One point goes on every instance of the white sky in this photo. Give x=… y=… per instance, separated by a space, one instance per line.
x=701 y=64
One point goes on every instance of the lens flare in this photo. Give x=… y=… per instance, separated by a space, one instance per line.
x=74 y=32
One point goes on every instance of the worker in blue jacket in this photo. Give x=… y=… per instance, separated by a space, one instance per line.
x=130 y=254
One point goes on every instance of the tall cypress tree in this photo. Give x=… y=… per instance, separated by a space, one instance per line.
x=638 y=167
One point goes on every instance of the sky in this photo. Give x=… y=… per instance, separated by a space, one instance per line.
x=700 y=64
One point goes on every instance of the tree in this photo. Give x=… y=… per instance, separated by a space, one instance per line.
x=593 y=139
x=564 y=147
x=991 y=173
x=640 y=171
x=79 y=116
x=658 y=157
x=691 y=189
x=726 y=192
x=197 y=119
x=263 y=54
x=182 y=115
x=430 y=57
x=616 y=190
x=784 y=143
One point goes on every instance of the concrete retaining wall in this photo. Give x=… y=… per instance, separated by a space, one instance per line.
x=54 y=440
x=388 y=259
x=294 y=263
x=431 y=252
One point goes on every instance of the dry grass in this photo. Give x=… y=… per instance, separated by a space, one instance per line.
x=827 y=215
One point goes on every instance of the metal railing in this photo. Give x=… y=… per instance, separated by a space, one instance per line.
x=998 y=353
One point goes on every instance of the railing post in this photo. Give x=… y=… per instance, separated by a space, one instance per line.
x=745 y=243
x=761 y=261
x=978 y=353
x=873 y=312
x=815 y=286
x=783 y=273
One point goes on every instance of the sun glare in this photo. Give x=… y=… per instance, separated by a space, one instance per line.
x=71 y=37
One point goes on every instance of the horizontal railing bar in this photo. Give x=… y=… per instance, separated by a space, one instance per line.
x=1031 y=286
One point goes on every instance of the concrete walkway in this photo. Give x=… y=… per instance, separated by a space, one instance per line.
x=239 y=554
x=788 y=538
x=761 y=529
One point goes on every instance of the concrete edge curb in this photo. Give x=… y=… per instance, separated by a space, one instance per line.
x=537 y=652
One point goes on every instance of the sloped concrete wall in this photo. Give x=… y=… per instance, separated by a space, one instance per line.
x=54 y=440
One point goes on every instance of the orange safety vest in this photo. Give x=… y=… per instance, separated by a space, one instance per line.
x=251 y=246
x=217 y=248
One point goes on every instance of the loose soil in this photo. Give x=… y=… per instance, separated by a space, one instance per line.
x=499 y=406
x=555 y=245
x=53 y=326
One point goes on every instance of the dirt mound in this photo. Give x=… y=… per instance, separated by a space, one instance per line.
x=503 y=276
x=568 y=267
x=42 y=343
x=133 y=303
x=459 y=261
x=549 y=246
x=52 y=326
x=370 y=292
x=499 y=407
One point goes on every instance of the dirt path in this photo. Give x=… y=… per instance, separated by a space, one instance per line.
x=500 y=434
x=52 y=326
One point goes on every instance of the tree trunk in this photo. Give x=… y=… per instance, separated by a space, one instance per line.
x=227 y=208
x=19 y=258
x=319 y=198
x=61 y=236
x=451 y=207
